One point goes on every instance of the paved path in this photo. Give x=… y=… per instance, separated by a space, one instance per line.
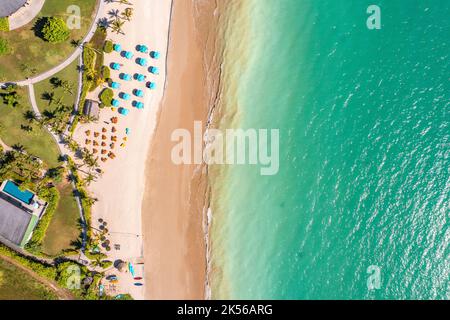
x=100 y=11
x=60 y=142
x=25 y=15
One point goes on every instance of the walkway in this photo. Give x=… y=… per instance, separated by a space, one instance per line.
x=25 y=15
x=100 y=12
x=60 y=142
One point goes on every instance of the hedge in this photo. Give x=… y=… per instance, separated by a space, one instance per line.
x=51 y=195
x=4 y=24
x=108 y=47
x=44 y=270
x=106 y=73
x=89 y=64
x=55 y=30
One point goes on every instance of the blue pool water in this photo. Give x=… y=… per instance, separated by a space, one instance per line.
x=13 y=190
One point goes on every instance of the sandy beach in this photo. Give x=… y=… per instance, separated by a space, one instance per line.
x=175 y=201
x=156 y=210
x=120 y=188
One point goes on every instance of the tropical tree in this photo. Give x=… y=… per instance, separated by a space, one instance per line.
x=127 y=14
x=55 y=30
x=30 y=116
x=49 y=96
x=117 y=25
x=67 y=87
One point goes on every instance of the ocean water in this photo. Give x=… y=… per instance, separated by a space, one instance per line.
x=363 y=190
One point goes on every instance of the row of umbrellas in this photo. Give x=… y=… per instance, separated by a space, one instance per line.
x=137 y=76
x=149 y=84
x=140 y=48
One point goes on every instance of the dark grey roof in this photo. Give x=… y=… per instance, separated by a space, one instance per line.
x=13 y=221
x=91 y=108
x=8 y=7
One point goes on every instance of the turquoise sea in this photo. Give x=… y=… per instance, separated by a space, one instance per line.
x=364 y=179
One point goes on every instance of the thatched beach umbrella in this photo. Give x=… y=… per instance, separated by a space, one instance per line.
x=121 y=265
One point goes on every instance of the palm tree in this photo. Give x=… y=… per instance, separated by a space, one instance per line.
x=67 y=87
x=103 y=22
x=76 y=43
x=56 y=82
x=114 y=13
x=97 y=262
x=18 y=147
x=127 y=14
x=117 y=25
x=49 y=96
x=89 y=178
x=30 y=116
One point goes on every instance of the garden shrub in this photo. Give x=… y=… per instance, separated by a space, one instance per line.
x=108 y=47
x=106 y=97
x=106 y=73
x=4 y=24
x=55 y=30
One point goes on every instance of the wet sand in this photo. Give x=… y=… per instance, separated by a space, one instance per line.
x=175 y=199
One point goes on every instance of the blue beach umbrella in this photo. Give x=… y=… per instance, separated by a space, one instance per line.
x=142 y=61
x=138 y=105
x=115 y=66
x=125 y=76
x=138 y=93
x=139 y=77
x=115 y=85
x=124 y=96
x=154 y=54
x=128 y=54
x=117 y=47
x=151 y=85
x=115 y=103
x=153 y=70
x=127 y=131
x=142 y=48
x=124 y=111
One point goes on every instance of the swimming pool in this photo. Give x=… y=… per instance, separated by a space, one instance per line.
x=13 y=190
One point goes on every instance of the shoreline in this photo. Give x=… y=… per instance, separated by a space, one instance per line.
x=175 y=209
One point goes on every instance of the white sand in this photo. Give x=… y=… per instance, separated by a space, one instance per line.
x=120 y=189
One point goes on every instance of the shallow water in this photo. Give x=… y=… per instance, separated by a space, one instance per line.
x=364 y=152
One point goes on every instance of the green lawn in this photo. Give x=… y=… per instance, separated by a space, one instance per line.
x=38 y=142
x=69 y=74
x=15 y=284
x=31 y=52
x=63 y=229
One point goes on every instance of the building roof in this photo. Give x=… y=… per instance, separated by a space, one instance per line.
x=91 y=108
x=14 y=221
x=8 y=7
